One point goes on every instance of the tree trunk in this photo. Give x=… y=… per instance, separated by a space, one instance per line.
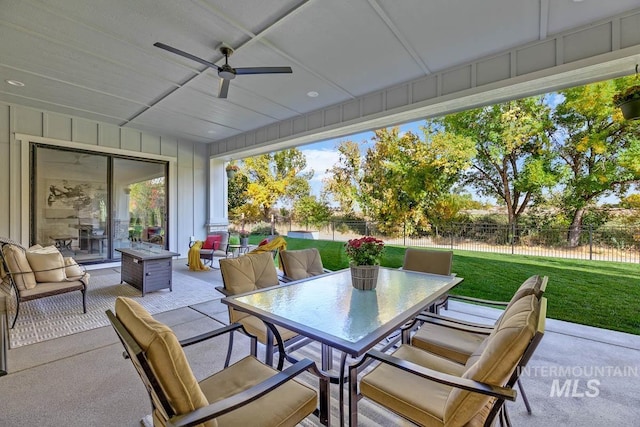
x=575 y=228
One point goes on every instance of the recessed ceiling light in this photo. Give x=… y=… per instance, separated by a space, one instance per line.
x=312 y=94
x=15 y=83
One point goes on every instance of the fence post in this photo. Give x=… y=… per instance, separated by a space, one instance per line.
x=590 y=242
x=451 y=238
x=404 y=233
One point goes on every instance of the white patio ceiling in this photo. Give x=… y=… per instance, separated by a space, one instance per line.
x=371 y=62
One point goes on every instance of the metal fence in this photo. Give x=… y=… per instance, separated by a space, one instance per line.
x=620 y=244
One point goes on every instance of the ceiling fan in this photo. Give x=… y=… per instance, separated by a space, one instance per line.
x=225 y=72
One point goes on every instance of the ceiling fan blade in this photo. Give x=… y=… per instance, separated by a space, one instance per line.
x=223 y=90
x=263 y=70
x=186 y=55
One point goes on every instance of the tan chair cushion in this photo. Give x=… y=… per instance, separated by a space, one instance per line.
x=19 y=267
x=422 y=401
x=51 y=288
x=47 y=264
x=248 y=273
x=165 y=355
x=300 y=264
x=447 y=342
x=72 y=269
x=495 y=360
x=428 y=261
x=286 y=406
x=256 y=327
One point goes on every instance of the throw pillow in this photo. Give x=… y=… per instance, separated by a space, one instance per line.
x=72 y=268
x=19 y=267
x=47 y=264
x=212 y=242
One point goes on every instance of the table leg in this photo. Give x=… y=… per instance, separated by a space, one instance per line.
x=343 y=361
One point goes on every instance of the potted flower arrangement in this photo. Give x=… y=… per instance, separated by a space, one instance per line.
x=364 y=255
x=232 y=170
x=629 y=102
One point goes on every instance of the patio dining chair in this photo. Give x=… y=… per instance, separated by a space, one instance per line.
x=246 y=393
x=300 y=264
x=249 y=273
x=429 y=261
x=457 y=340
x=430 y=390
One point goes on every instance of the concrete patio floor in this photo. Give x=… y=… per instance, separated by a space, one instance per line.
x=579 y=376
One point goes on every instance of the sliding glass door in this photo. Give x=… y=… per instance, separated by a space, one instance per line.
x=89 y=204
x=139 y=203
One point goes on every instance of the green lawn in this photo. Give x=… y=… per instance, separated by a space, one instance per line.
x=595 y=293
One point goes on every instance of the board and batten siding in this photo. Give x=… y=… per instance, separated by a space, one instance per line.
x=188 y=176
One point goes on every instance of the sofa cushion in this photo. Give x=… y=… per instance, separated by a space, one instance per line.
x=165 y=355
x=212 y=242
x=19 y=267
x=72 y=269
x=47 y=264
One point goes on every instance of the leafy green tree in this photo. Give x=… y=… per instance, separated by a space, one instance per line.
x=276 y=177
x=309 y=210
x=598 y=148
x=237 y=194
x=399 y=178
x=343 y=184
x=514 y=158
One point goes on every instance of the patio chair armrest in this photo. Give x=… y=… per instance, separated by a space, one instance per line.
x=229 y=404
x=479 y=300
x=441 y=377
x=453 y=323
x=211 y=334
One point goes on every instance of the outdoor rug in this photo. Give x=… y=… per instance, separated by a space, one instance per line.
x=61 y=315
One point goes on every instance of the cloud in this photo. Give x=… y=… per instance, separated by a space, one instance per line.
x=319 y=161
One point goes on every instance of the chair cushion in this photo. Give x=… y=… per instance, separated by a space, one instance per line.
x=248 y=273
x=212 y=242
x=72 y=269
x=495 y=359
x=256 y=327
x=415 y=398
x=300 y=264
x=428 y=261
x=165 y=355
x=286 y=406
x=444 y=341
x=528 y=287
x=47 y=264
x=51 y=288
x=19 y=267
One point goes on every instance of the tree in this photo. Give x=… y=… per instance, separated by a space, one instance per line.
x=237 y=193
x=343 y=184
x=399 y=178
x=276 y=177
x=513 y=161
x=598 y=148
x=311 y=211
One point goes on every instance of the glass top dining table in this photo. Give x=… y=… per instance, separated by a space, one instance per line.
x=329 y=309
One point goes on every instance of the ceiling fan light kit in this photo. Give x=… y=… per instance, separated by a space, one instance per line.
x=225 y=71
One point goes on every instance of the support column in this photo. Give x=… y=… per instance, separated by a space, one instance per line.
x=218 y=196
